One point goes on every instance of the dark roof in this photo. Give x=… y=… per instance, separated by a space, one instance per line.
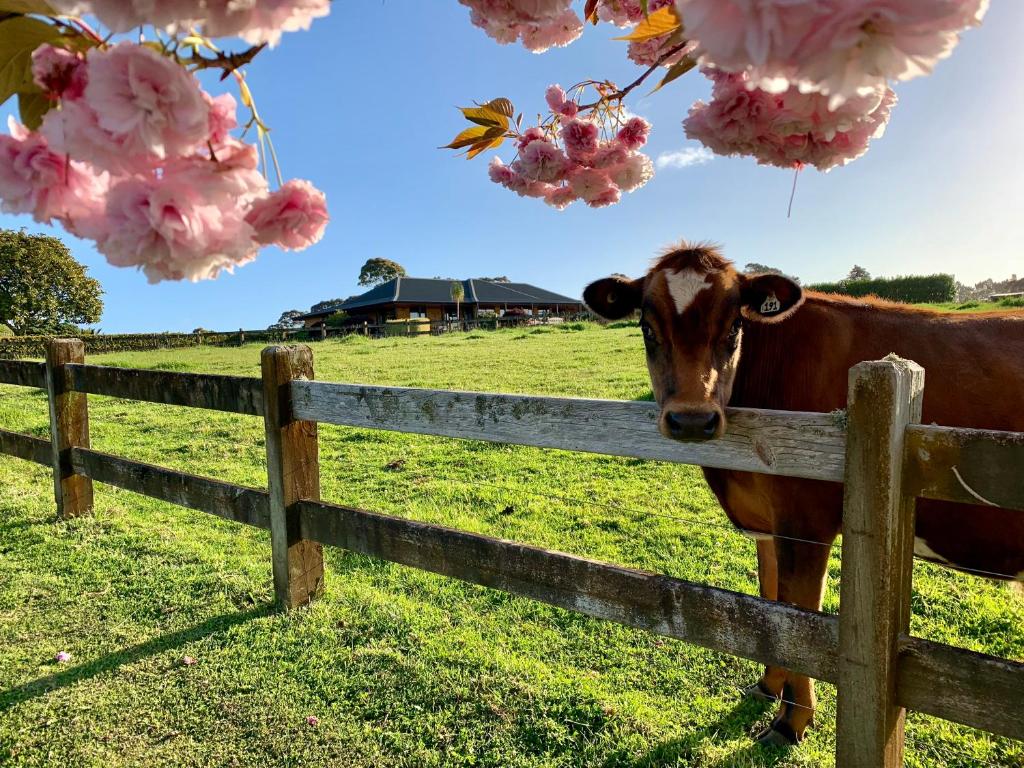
x=421 y=290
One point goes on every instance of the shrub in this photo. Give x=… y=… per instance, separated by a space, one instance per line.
x=911 y=289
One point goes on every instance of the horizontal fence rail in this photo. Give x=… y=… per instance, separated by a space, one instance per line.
x=23 y=373
x=235 y=394
x=26 y=447
x=961 y=465
x=966 y=465
x=808 y=445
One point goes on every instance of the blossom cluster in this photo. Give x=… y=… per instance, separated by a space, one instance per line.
x=138 y=158
x=789 y=129
x=840 y=48
x=568 y=160
x=256 y=21
x=539 y=24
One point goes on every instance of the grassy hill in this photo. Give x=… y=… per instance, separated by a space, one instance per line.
x=402 y=668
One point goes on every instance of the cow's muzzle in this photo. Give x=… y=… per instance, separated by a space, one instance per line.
x=690 y=424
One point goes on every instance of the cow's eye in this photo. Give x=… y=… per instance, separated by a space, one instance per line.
x=733 y=338
x=648 y=332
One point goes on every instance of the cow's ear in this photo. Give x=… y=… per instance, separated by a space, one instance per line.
x=770 y=298
x=613 y=298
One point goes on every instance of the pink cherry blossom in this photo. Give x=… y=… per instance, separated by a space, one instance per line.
x=560 y=197
x=223 y=118
x=499 y=172
x=60 y=73
x=539 y=24
x=148 y=105
x=580 y=138
x=842 y=48
x=313 y=721
x=172 y=230
x=542 y=161
x=36 y=180
x=530 y=134
x=292 y=218
x=590 y=183
x=634 y=133
x=635 y=171
x=608 y=155
x=187 y=661
x=262 y=21
x=62 y=657
x=609 y=197
x=786 y=130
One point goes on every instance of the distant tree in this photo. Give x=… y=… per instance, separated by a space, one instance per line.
x=320 y=306
x=499 y=279
x=753 y=268
x=858 y=273
x=288 y=321
x=377 y=271
x=458 y=294
x=43 y=290
x=200 y=329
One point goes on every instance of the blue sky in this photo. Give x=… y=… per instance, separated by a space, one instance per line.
x=360 y=104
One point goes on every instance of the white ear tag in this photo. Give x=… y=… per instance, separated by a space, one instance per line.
x=771 y=305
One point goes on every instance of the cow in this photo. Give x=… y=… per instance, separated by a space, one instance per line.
x=716 y=337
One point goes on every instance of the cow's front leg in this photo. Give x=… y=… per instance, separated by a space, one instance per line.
x=771 y=682
x=802 y=568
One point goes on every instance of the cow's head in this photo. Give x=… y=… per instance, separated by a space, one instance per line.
x=693 y=307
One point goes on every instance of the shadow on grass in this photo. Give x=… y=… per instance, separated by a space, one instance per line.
x=734 y=724
x=43 y=685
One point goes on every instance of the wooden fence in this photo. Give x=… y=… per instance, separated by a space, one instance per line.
x=883 y=456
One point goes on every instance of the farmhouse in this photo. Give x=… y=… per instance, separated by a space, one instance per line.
x=415 y=297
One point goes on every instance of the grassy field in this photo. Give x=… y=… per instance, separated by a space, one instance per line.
x=402 y=668
x=1002 y=305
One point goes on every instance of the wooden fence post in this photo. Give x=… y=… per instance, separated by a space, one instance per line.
x=69 y=426
x=293 y=474
x=877 y=557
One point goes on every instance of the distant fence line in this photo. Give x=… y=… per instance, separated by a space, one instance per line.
x=17 y=347
x=881 y=452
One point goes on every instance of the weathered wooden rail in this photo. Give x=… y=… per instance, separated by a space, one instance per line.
x=883 y=456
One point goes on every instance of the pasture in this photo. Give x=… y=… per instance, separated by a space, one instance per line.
x=401 y=667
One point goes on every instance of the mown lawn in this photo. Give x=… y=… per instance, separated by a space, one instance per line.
x=402 y=668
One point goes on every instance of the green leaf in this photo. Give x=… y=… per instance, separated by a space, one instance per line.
x=33 y=105
x=469 y=137
x=645 y=7
x=26 y=6
x=18 y=38
x=677 y=70
x=485 y=116
x=663 y=21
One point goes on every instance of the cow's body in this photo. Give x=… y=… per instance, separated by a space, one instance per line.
x=715 y=337
x=974 y=377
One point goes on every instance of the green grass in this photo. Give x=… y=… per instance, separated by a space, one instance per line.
x=1003 y=305
x=403 y=668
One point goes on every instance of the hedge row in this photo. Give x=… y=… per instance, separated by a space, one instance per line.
x=913 y=289
x=12 y=348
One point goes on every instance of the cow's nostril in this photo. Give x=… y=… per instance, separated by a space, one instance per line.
x=711 y=427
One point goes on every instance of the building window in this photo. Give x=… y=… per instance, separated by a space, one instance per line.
x=416 y=312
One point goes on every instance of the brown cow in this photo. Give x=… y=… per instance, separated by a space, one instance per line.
x=716 y=337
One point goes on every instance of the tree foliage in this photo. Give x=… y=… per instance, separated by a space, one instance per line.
x=288 y=321
x=458 y=294
x=858 y=273
x=377 y=271
x=320 y=306
x=43 y=290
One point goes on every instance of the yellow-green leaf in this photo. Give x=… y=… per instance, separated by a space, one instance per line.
x=677 y=70
x=245 y=93
x=468 y=137
x=500 y=105
x=19 y=36
x=485 y=116
x=480 y=146
x=26 y=6
x=32 y=106
x=663 y=21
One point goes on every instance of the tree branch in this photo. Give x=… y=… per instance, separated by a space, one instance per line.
x=620 y=94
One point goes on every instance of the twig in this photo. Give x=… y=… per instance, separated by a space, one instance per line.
x=619 y=95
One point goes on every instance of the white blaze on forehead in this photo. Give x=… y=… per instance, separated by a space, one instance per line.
x=684 y=286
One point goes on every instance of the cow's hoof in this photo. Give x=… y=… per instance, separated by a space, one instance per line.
x=759 y=691
x=778 y=734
